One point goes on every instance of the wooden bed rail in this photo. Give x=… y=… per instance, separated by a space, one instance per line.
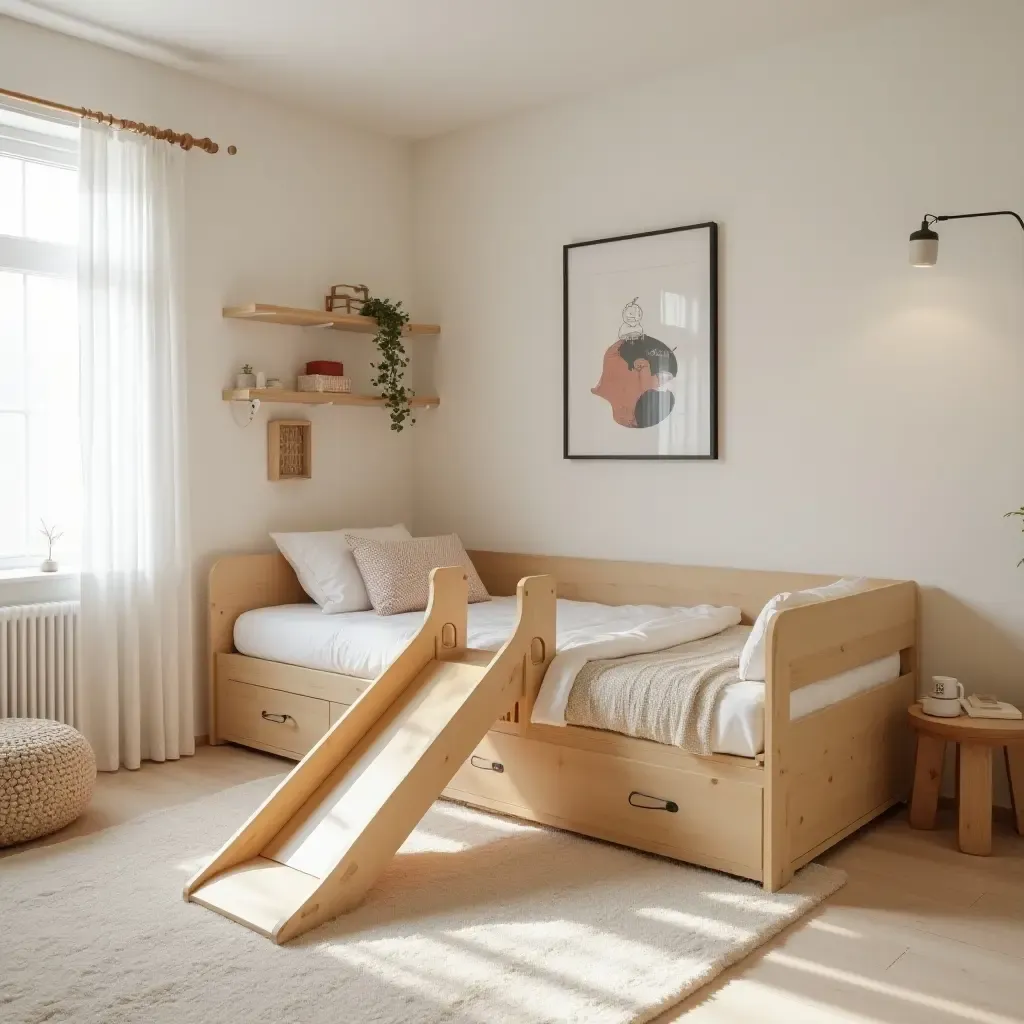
x=822 y=640
x=807 y=644
x=608 y=581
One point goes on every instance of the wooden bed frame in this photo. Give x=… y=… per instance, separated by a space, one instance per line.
x=821 y=777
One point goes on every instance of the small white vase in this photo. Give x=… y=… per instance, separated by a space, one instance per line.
x=245 y=380
x=49 y=565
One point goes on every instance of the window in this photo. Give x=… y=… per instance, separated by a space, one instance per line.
x=39 y=447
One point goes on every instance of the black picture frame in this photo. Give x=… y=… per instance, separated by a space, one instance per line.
x=712 y=454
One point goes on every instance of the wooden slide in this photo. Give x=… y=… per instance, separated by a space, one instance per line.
x=324 y=836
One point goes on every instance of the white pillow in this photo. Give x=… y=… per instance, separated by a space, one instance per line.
x=752 y=656
x=326 y=569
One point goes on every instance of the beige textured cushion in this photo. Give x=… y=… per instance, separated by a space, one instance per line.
x=397 y=573
x=47 y=771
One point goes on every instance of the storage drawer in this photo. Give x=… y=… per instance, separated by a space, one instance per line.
x=701 y=818
x=275 y=675
x=285 y=723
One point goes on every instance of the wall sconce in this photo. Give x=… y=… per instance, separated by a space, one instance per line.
x=924 y=243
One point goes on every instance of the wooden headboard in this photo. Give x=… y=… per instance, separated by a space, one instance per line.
x=238 y=583
x=612 y=582
x=241 y=582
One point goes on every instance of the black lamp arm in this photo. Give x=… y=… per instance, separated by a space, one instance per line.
x=930 y=218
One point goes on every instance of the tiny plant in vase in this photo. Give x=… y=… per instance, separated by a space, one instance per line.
x=52 y=535
x=391 y=318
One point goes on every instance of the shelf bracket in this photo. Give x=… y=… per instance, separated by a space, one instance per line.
x=248 y=407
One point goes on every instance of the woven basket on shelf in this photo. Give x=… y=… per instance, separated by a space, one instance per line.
x=322 y=382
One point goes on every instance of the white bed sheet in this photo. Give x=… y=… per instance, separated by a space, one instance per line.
x=363 y=644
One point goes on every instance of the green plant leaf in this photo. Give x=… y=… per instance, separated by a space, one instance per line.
x=391 y=318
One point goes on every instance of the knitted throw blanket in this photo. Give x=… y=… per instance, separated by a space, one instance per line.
x=668 y=696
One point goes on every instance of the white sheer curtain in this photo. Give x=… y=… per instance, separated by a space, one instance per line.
x=136 y=595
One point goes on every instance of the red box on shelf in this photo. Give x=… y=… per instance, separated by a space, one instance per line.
x=327 y=367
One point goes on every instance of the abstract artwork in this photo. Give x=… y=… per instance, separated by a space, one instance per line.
x=641 y=345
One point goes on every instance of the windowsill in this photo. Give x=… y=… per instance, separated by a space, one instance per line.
x=33 y=574
x=30 y=586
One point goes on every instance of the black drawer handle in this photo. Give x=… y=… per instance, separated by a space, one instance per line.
x=486 y=766
x=644 y=802
x=279 y=719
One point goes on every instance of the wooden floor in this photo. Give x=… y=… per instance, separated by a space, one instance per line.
x=921 y=933
x=121 y=796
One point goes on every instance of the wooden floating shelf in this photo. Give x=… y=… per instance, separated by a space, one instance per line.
x=316 y=397
x=293 y=317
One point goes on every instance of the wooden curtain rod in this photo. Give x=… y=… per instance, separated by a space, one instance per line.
x=186 y=141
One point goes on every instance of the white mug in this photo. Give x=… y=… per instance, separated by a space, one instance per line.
x=941 y=707
x=947 y=687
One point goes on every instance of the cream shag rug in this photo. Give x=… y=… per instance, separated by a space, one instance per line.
x=480 y=919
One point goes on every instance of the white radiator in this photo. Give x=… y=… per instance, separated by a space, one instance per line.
x=38 y=661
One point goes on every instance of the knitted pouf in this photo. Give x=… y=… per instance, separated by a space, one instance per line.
x=47 y=771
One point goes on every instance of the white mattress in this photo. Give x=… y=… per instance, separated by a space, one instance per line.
x=363 y=644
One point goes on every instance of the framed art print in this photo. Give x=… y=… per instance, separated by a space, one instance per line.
x=641 y=345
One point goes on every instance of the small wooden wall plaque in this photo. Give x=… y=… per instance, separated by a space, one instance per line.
x=289 y=450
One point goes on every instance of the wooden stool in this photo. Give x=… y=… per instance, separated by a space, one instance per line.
x=975 y=738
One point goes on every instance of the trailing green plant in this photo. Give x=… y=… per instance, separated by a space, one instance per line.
x=1017 y=512
x=390 y=367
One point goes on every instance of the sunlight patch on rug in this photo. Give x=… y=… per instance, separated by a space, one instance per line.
x=479 y=919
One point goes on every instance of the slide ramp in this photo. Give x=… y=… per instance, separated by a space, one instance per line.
x=328 y=831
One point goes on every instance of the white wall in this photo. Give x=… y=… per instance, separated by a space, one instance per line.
x=303 y=205
x=870 y=414
x=871 y=419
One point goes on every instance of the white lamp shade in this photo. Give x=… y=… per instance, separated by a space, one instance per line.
x=924 y=252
